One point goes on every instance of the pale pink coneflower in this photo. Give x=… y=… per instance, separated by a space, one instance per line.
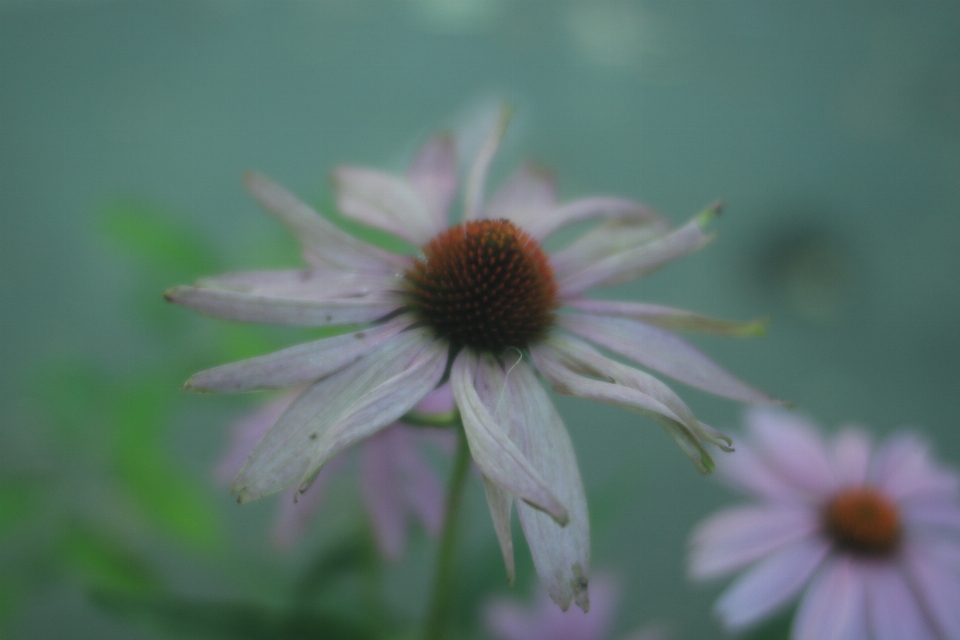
x=480 y=305
x=397 y=481
x=870 y=537
x=507 y=619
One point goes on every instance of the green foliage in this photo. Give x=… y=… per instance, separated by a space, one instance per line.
x=20 y=499
x=103 y=561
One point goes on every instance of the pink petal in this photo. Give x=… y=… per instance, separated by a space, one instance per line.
x=793 y=447
x=246 y=433
x=497 y=457
x=316 y=284
x=528 y=196
x=587 y=209
x=297 y=510
x=295 y=365
x=423 y=491
x=610 y=238
x=666 y=317
x=771 y=583
x=440 y=400
x=851 y=456
x=834 y=607
x=383 y=491
x=342 y=409
x=386 y=202
x=933 y=516
x=617 y=268
x=662 y=351
x=893 y=610
x=561 y=554
x=746 y=471
x=323 y=243
x=903 y=470
x=433 y=175
x=937 y=586
x=477 y=178
x=246 y=307
x=734 y=538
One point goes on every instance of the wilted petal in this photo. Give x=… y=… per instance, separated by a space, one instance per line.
x=561 y=361
x=892 y=607
x=560 y=554
x=664 y=352
x=667 y=317
x=903 y=470
x=500 y=503
x=770 y=584
x=610 y=238
x=631 y=263
x=245 y=307
x=495 y=454
x=588 y=209
x=246 y=433
x=384 y=201
x=793 y=446
x=433 y=175
x=318 y=284
x=938 y=587
x=834 y=607
x=477 y=178
x=851 y=456
x=341 y=409
x=323 y=243
x=295 y=365
x=734 y=538
x=528 y=196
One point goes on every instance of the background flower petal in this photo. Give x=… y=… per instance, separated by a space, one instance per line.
x=794 y=448
x=834 y=607
x=892 y=607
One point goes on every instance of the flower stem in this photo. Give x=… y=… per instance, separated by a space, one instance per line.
x=442 y=599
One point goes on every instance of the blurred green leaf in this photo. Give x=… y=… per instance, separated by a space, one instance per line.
x=166 y=494
x=73 y=397
x=156 y=238
x=353 y=554
x=102 y=561
x=19 y=499
x=777 y=628
x=230 y=620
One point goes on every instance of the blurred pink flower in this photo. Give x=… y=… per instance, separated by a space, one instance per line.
x=872 y=537
x=397 y=481
x=508 y=620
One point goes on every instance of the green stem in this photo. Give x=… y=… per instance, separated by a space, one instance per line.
x=442 y=599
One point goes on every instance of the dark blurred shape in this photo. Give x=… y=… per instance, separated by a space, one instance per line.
x=808 y=267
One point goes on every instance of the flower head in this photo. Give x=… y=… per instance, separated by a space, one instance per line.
x=482 y=305
x=871 y=535
x=397 y=481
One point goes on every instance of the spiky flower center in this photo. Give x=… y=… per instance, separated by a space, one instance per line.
x=863 y=521
x=484 y=284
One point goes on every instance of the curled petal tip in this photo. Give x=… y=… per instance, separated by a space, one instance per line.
x=754 y=328
x=709 y=213
x=170 y=294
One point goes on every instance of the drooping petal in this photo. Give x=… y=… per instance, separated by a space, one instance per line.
x=664 y=352
x=588 y=209
x=667 y=317
x=245 y=307
x=770 y=584
x=937 y=585
x=632 y=263
x=295 y=365
x=433 y=175
x=319 y=284
x=530 y=194
x=477 y=178
x=851 y=456
x=383 y=491
x=903 y=469
x=497 y=457
x=562 y=360
x=734 y=538
x=561 y=555
x=246 y=433
x=892 y=607
x=500 y=503
x=342 y=409
x=323 y=243
x=793 y=446
x=386 y=202
x=834 y=607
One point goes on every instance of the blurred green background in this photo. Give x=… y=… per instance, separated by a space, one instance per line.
x=832 y=129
